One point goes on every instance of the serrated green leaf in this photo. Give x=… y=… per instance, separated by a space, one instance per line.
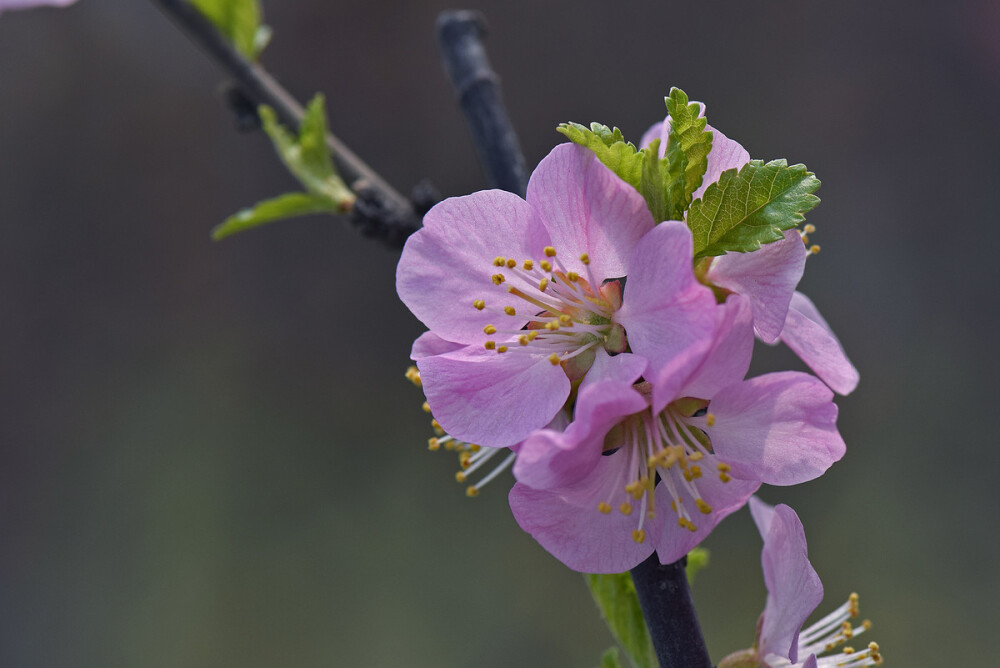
x=619 y=605
x=697 y=559
x=307 y=156
x=653 y=180
x=278 y=208
x=239 y=21
x=610 y=147
x=688 y=146
x=610 y=658
x=754 y=206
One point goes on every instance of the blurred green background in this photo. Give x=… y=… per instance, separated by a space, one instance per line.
x=209 y=455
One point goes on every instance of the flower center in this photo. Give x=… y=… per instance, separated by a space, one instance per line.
x=669 y=447
x=569 y=314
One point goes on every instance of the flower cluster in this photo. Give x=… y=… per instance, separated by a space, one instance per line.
x=578 y=332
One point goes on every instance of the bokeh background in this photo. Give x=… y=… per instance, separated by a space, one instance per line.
x=209 y=455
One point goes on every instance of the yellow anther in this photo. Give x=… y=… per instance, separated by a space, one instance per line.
x=565 y=320
x=474 y=448
x=853 y=606
x=498 y=279
x=847 y=630
x=490 y=345
x=632 y=487
x=459 y=476
x=489 y=329
x=465 y=461
x=673 y=506
x=625 y=508
x=542 y=284
x=584 y=258
x=426 y=407
x=867 y=625
x=695 y=472
x=604 y=507
x=546 y=265
x=651 y=514
x=725 y=477
x=501 y=349
x=523 y=340
x=554 y=358
x=697 y=456
x=532 y=335
x=652 y=461
x=528 y=265
x=498 y=261
x=413 y=375
x=433 y=444
x=638 y=535
x=550 y=251
x=848 y=650
x=688 y=475
x=710 y=419
x=551 y=326
x=722 y=466
x=809 y=228
x=572 y=276
x=479 y=304
x=471 y=492
x=509 y=310
x=814 y=249
x=511 y=263
x=703 y=507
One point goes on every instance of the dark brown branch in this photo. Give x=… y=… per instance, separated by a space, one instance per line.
x=395 y=218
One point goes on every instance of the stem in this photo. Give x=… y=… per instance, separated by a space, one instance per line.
x=460 y=37
x=670 y=616
x=261 y=88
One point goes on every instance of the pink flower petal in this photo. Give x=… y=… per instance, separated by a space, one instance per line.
x=447 y=265
x=767 y=276
x=567 y=523
x=779 y=428
x=725 y=154
x=793 y=587
x=728 y=359
x=429 y=344
x=552 y=458
x=655 y=131
x=587 y=209
x=808 y=335
x=724 y=497
x=668 y=316
x=492 y=399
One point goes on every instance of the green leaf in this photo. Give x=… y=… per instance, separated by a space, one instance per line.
x=239 y=21
x=688 y=146
x=754 y=206
x=610 y=147
x=616 y=599
x=307 y=156
x=610 y=658
x=278 y=208
x=652 y=182
x=697 y=559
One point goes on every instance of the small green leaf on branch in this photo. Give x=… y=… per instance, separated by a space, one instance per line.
x=307 y=157
x=688 y=146
x=610 y=147
x=697 y=559
x=754 y=206
x=240 y=21
x=610 y=659
x=278 y=208
x=616 y=598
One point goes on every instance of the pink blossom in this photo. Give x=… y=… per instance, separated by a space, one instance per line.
x=589 y=494
x=769 y=276
x=520 y=295
x=794 y=590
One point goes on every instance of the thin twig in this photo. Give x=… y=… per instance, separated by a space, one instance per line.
x=477 y=87
x=670 y=616
x=397 y=220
